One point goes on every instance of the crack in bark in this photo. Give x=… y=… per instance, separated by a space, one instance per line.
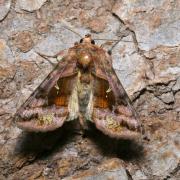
x=142 y=91
x=136 y=44
x=129 y=175
x=173 y=172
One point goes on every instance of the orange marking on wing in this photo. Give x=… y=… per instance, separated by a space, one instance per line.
x=101 y=102
x=101 y=96
x=60 y=101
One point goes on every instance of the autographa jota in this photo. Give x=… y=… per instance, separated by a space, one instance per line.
x=83 y=85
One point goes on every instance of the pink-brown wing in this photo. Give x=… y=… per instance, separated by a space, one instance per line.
x=47 y=107
x=113 y=112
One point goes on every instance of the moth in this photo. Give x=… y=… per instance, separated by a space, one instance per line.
x=82 y=86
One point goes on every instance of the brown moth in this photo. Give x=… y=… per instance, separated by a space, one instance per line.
x=83 y=85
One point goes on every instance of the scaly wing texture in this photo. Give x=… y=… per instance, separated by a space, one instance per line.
x=47 y=107
x=113 y=113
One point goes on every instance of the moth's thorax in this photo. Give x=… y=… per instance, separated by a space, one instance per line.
x=84 y=59
x=85 y=55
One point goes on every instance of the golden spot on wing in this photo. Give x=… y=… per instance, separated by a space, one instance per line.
x=56 y=86
x=108 y=90
x=45 y=119
x=112 y=124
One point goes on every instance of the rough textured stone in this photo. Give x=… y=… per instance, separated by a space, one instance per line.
x=58 y=41
x=146 y=61
x=97 y=25
x=111 y=169
x=139 y=175
x=8 y=86
x=4 y=8
x=152 y=21
x=177 y=102
x=23 y=41
x=129 y=59
x=162 y=163
x=49 y=46
x=167 y=97
x=42 y=27
x=176 y=87
x=115 y=174
x=30 y=5
x=6 y=55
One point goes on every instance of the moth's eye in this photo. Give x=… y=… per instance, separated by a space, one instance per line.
x=81 y=41
x=92 y=42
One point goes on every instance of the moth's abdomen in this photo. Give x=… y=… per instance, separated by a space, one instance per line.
x=84 y=88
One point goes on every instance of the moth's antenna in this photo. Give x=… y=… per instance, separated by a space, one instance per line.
x=118 y=40
x=73 y=31
x=104 y=39
x=110 y=50
x=70 y=28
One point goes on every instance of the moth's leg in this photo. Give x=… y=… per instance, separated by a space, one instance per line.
x=48 y=59
x=59 y=56
x=114 y=45
x=110 y=42
x=56 y=58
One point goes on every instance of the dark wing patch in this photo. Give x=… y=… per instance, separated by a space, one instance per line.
x=103 y=96
x=47 y=108
x=60 y=93
x=113 y=112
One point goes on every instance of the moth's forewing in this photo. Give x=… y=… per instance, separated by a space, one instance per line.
x=113 y=112
x=47 y=107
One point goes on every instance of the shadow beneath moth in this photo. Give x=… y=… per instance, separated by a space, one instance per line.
x=82 y=86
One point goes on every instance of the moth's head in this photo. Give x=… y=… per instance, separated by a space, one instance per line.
x=87 y=39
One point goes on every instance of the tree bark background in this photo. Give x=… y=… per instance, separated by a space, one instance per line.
x=147 y=61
